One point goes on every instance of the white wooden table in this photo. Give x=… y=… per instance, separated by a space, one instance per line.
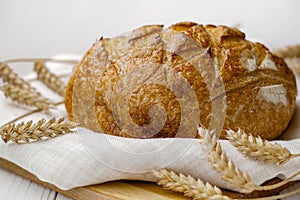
x=14 y=187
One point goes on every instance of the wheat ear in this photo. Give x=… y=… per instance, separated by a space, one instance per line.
x=49 y=79
x=28 y=132
x=26 y=97
x=223 y=165
x=288 y=52
x=258 y=148
x=10 y=77
x=293 y=63
x=188 y=185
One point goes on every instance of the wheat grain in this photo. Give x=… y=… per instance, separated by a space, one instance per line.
x=258 y=148
x=26 y=97
x=209 y=139
x=288 y=52
x=188 y=185
x=225 y=166
x=49 y=79
x=28 y=132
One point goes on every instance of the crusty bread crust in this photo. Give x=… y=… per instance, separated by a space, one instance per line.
x=260 y=89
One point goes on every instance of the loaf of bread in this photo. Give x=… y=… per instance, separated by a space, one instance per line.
x=156 y=82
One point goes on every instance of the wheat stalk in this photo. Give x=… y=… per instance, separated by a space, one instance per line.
x=28 y=132
x=188 y=185
x=26 y=97
x=49 y=79
x=288 y=52
x=258 y=148
x=32 y=60
x=31 y=112
x=225 y=166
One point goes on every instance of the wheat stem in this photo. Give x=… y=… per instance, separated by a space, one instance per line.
x=258 y=148
x=29 y=132
x=275 y=197
x=281 y=183
x=188 y=185
x=26 y=97
x=29 y=113
x=31 y=60
x=48 y=78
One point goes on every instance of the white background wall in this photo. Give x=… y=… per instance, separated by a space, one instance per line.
x=35 y=28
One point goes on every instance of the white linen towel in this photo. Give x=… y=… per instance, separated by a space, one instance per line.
x=85 y=157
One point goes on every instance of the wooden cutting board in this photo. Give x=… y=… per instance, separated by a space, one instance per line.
x=116 y=190
x=123 y=190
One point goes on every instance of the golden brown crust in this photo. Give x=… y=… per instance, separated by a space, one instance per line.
x=119 y=80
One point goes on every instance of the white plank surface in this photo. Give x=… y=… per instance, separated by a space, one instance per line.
x=14 y=187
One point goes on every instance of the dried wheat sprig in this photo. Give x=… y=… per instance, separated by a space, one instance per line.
x=10 y=77
x=49 y=79
x=196 y=189
x=293 y=63
x=288 y=52
x=29 y=132
x=188 y=185
x=26 y=97
x=230 y=173
x=258 y=148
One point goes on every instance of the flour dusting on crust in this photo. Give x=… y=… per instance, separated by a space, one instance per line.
x=274 y=94
x=268 y=63
x=251 y=64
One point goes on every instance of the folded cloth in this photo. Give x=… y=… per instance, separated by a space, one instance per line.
x=85 y=157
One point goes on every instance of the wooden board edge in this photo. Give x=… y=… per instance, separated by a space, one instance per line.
x=80 y=193
x=92 y=192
